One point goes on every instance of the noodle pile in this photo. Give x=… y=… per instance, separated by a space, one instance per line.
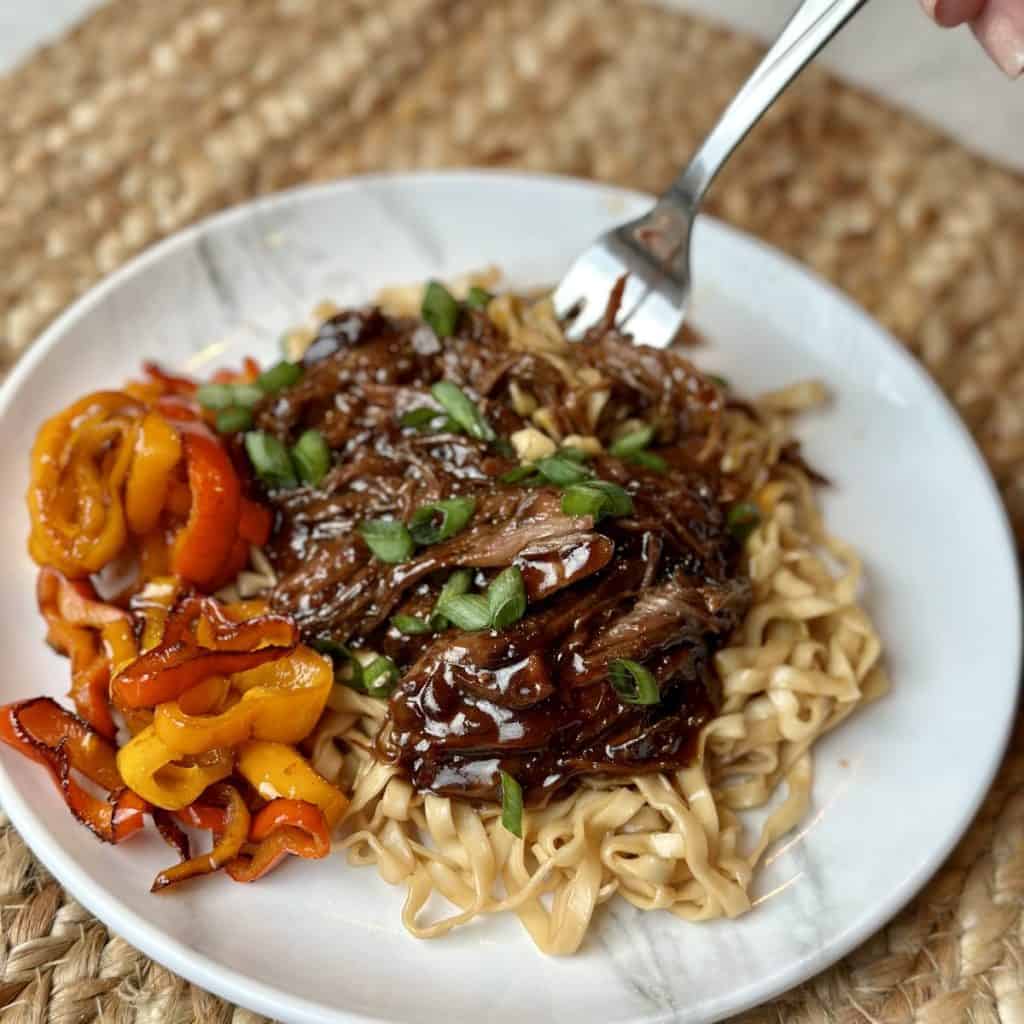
x=805 y=658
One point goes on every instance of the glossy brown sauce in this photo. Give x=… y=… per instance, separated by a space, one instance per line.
x=661 y=587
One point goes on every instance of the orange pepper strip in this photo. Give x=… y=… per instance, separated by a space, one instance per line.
x=204 y=543
x=202 y=816
x=170 y=383
x=157 y=452
x=226 y=848
x=43 y=731
x=282 y=827
x=254 y=522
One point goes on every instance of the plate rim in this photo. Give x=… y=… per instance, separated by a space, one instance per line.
x=241 y=989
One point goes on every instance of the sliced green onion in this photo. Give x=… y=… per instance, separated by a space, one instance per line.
x=270 y=459
x=216 y=396
x=380 y=677
x=633 y=683
x=518 y=475
x=506 y=598
x=478 y=298
x=246 y=395
x=649 y=460
x=312 y=457
x=504 y=448
x=410 y=625
x=561 y=471
x=440 y=310
x=470 y=612
x=388 y=539
x=511 y=805
x=341 y=656
x=233 y=420
x=440 y=520
x=573 y=454
x=454 y=401
x=457 y=584
x=597 y=498
x=631 y=443
x=743 y=518
x=418 y=419
x=279 y=377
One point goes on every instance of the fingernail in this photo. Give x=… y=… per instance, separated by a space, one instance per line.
x=949 y=13
x=1000 y=29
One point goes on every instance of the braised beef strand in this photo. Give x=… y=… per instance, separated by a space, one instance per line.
x=661 y=587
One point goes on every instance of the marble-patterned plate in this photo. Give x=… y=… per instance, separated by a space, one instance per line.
x=895 y=787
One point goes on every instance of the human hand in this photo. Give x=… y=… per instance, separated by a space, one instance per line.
x=998 y=24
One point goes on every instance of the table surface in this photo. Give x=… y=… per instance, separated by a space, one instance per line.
x=888 y=48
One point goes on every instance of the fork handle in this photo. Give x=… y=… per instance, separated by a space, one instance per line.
x=812 y=25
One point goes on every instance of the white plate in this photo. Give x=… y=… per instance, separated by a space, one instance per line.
x=895 y=787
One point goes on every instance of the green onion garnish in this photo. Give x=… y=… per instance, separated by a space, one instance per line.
x=388 y=539
x=312 y=457
x=574 y=454
x=457 y=584
x=561 y=471
x=633 y=683
x=478 y=298
x=743 y=518
x=518 y=475
x=410 y=625
x=341 y=656
x=597 y=498
x=470 y=612
x=246 y=395
x=418 y=419
x=632 y=443
x=270 y=459
x=380 y=677
x=506 y=598
x=511 y=805
x=454 y=401
x=233 y=420
x=279 y=377
x=440 y=310
x=440 y=520
x=649 y=460
x=216 y=396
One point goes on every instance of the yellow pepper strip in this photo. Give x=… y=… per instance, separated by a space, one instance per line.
x=157 y=452
x=155 y=602
x=145 y=764
x=121 y=646
x=207 y=697
x=278 y=770
x=282 y=701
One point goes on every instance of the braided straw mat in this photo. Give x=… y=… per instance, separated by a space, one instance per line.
x=150 y=115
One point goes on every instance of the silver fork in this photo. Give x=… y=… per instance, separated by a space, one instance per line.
x=653 y=252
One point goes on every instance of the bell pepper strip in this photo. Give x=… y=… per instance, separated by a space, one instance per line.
x=249 y=372
x=148 y=766
x=154 y=602
x=202 y=816
x=158 y=450
x=80 y=460
x=277 y=770
x=229 y=840
x=73 y=615
x=204 y=699
x=204 y=543
x=282 y=827
x=254 y=522
x=170 y=383
x=281 y=701
x=186 y=657
x=171 y=833
x=237 y=560
x=122 y=648
x=43 y=731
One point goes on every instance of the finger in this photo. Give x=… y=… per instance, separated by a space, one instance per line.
x=1000 y=29
x=949 y=13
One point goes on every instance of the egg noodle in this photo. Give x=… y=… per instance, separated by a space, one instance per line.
x=806 y=656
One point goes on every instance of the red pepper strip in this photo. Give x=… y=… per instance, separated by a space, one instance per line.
x=236 y=562
x=282 y=827
x=171 y=833
x=198 y=815
x=43 y=731
x=75 y=601
x=228 y=634
x=178 y=408
x=172 y=383
x=204 y=543
x=227 y=845
x=254 y=522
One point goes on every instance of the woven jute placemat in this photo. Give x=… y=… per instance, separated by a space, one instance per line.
x=150 y=115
